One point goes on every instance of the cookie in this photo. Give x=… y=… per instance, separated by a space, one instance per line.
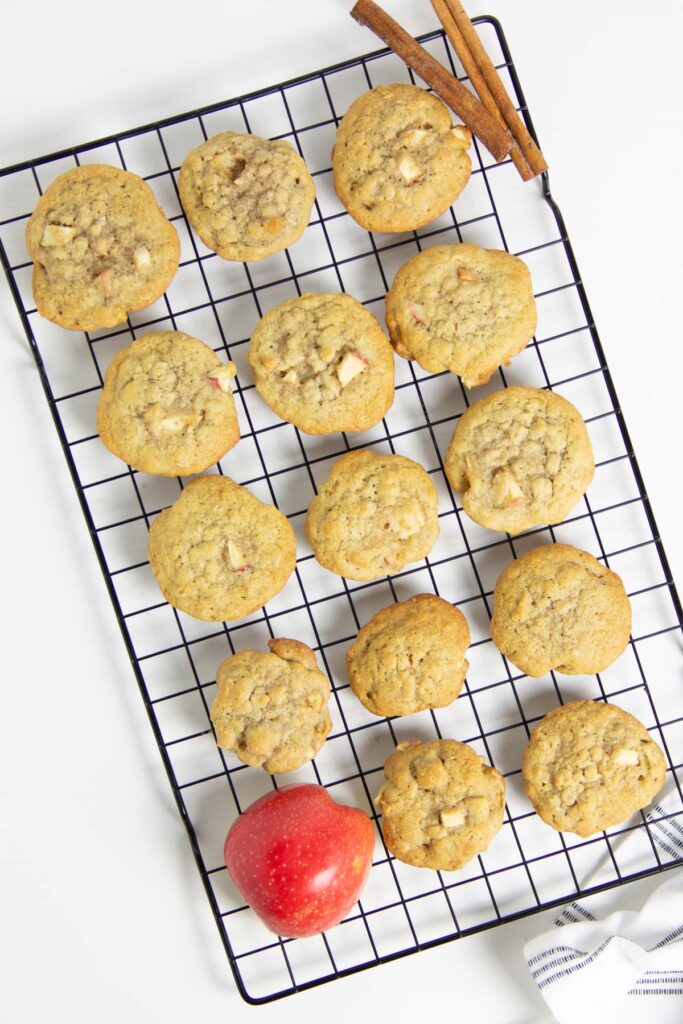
x=520 y=458
x=323 y=363
x=373 y=515
x=559 y=608
x=409 y=657
x=167 y=405
x=441 y=805
x=218 y=553
x=246 y=197
x=101 y=248
x=461 y=308
x=271 y=709
x=398 y=162
x=589 y=766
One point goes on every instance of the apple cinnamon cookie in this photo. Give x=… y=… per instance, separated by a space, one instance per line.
x=373 y=515
x=520 y=458
x=167 y=405
x=218 y=553
x=246 y=197
x=461 y=308
x=589 y=766
x=101 y=248
x=441 y=805
x=398 y=161
x=323 y=363
x=558 y=608
x=271 y=709
x=409 y=657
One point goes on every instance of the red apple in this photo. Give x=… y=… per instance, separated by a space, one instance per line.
x=299 y=859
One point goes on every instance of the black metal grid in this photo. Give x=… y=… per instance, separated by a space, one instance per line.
x=528 y=867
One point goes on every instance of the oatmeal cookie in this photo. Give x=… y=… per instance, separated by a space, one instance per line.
x=520 y=458
x=101 y=247
x=589 y=766
x=373 y=515
x=398 y=162
x=441 y=805
x=410 y=656
x=558 y=608
x=271 y=709
x=167 y=405
x=461 y=308
x=246 y=197
x=218 y=553
x=323 y=363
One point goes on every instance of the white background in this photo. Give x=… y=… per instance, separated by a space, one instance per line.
x=103 y=914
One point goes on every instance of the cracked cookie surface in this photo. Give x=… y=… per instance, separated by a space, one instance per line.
x=589 y=766
x=373 y=515
x=558 y=608
x=246 y=197
x=410 y=656
x=271 y=709
x=461 y=308
x=520 y=458
x=101 y=247
x=323 y=363
x=398 y=161
x=218 y=553
x=167 y=405
x=441 y=805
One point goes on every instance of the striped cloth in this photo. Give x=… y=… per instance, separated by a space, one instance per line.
x=625 y=969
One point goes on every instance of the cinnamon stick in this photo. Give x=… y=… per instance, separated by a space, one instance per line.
x=475 y=76
x=495 y=137
x=527 y=146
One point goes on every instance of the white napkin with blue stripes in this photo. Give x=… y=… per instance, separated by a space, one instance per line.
x=624 y=969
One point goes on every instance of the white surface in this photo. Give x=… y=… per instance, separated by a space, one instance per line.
x=89 y=830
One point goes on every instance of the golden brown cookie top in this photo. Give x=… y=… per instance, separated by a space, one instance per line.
x=167 y=405
x=373 y=515
x=398 y=161
x=410 y=656
x=520 y=458
x=246 y=197
x=271 y=709
x=101 y=247
x=589 y=766
x=461 y=308
x=558 y=608
x=218 y=553
x=441 y=804
x=323 y=363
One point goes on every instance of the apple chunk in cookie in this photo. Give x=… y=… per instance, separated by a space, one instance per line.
x=221 y=377
x=323 y=363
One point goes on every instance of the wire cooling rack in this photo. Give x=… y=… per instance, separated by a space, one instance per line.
x=528 y=867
